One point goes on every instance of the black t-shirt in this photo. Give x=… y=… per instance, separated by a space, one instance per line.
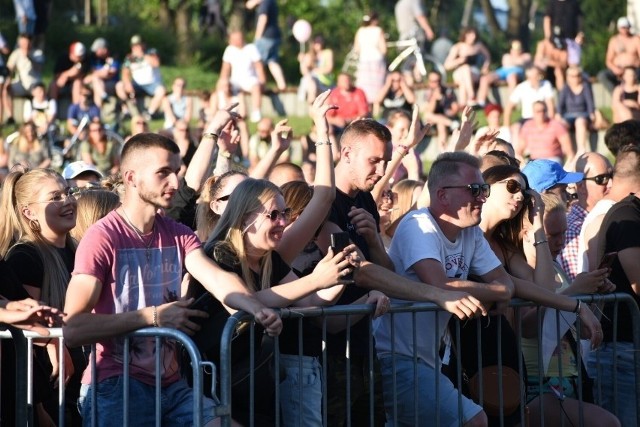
x=339 y=215
x=565 y=15
x=270 y=8
x=620 y=230
x=183 y=206
x=228 y=261
x=25 y=261
x=63 y=63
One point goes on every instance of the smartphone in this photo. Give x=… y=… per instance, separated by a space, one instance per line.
x=204 y=303
x=607 y=260
x=339 y=241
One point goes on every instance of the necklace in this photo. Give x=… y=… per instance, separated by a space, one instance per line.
x=139 y=233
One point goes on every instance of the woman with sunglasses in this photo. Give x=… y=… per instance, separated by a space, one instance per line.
x=39 y=212
x=512 y=218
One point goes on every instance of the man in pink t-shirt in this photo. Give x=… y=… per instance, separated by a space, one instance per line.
x=544 y=138
x=127 y=276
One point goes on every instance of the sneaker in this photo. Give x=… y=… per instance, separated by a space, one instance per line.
x=255 y=117
x=147 y=116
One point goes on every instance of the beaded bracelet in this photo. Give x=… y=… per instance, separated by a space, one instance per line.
x=323 y=143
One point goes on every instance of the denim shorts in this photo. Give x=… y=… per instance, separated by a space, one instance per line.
x=301 y=391
x=268 y=49
x=428 y=409
x=176 y=402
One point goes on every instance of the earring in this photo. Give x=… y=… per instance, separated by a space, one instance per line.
x=34 y=225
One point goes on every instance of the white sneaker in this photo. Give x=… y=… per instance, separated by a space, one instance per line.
x=255 y=116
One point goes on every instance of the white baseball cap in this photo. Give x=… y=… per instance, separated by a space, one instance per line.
x=76 y=168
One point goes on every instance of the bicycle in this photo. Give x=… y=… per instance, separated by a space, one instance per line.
x=419 y=66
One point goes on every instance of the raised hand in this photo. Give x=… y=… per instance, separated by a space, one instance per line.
x=221 y=118
x=469 y=124
x=318 y=112
x=417 y=131
x=281 y=135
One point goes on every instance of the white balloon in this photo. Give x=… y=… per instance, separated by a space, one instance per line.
x=301 y=30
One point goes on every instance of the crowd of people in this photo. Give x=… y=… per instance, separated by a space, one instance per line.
x=130 y=236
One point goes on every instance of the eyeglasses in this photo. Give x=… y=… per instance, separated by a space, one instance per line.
x=476 y=189
x=60 y=197
x=513 y=186
x=274 y=214
x=223 y=198
x=95 y=130
x=602 y=179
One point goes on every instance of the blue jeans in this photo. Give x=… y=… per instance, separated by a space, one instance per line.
x=600 y=365
x=301 y=391
x=176 y=402
x=446 y=407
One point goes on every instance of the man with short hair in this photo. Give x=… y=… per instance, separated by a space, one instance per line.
x=103 y=72
x=594 y=186
x=242 y=67
x=544 y=137
x=118 y=286
x=351 y=101
x=619 y=233
x=621 y=134
x=365 y=150
x=441 y=245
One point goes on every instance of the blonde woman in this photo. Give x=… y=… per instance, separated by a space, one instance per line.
x=28 y=149
x=39 y=213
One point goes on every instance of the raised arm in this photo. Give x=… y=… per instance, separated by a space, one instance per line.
x=416 y=133
x=280 y=142
x=302 y=230
x=200 y=166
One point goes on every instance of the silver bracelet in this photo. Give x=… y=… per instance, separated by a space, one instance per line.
x=323 y=143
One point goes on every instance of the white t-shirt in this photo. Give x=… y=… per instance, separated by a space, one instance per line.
x=418 y=237
x=242 y=63
x=601 y=208
x=525 y=95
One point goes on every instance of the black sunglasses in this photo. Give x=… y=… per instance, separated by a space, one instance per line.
x=274 y=214
x=476 y=189
x=513 y=186
x=602 y=179
x=223 y=198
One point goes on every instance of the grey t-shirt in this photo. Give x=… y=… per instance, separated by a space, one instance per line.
x=406 y=13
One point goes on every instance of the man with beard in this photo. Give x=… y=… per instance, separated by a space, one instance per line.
x=365 y=150
x=128 y=276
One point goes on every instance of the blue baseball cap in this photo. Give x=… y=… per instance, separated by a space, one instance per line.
x=544 y=174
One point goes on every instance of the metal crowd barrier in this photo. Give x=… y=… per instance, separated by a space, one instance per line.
x=24 y=363
x=226 y=359
x=24 y=405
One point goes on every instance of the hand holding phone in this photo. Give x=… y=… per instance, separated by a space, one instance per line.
x=607 y=260
x=339 y=241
